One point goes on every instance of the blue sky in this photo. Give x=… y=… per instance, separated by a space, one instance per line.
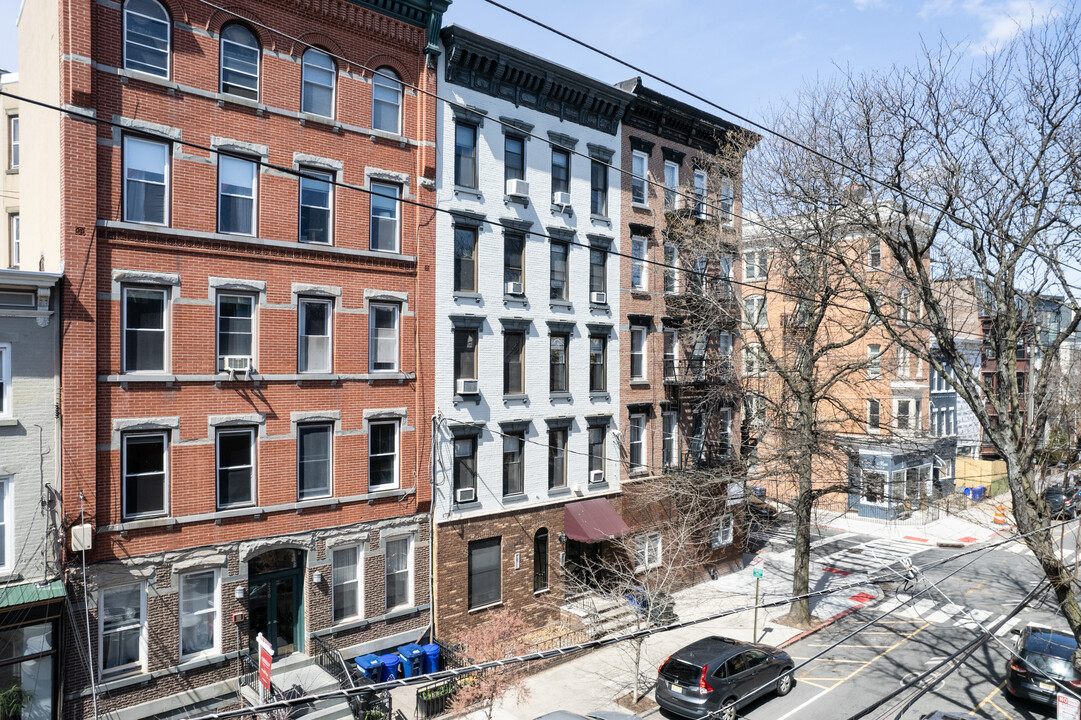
x=743 y=55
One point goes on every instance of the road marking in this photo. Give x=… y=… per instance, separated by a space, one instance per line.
x=918 y=609
x=975 y=587
x=987 y=699
x=974 y=619
x=1008 y=625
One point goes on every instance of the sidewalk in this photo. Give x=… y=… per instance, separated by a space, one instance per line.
x=967 y=525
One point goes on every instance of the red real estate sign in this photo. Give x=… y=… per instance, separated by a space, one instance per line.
x=266 y=655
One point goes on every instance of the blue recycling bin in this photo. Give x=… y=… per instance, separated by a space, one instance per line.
x=979 y=493
x=369 y=665
x=760 y=492
x=411 y=662
x=391 y=667
x=430 y=658
x=968 y=492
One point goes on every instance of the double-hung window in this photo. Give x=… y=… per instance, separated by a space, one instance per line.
x=671 y=345
x=316 y=207
x=671 y=185
x=236 y=467
x=346 y=579
x=638 y=263
x=727 y=200
x=383 y=337
x=122 y=628
x=399 y=571
x=671 y=271
x=874 y=254
x=904 y=363
x=236 y=195
x=146 y=37
x=465 y=155
x=314 y=460
x=386 y=101
x=485 y=586
x=145 y=460
x=637 y=444
x=14 y=245
x=669 y=454
x=513 y=463
x=465 y=469
x=146 y=181
x=598 y=363
x=874 y=484
x=902 y=415
x=513 y=363
x=236 y=330
x=558 y=362
x=382 y=455
x=560 y=289
x=145 y=329
x=540 y=560
x=514 y=264
x=598 y=188
x=5 y=381
x=561 y=171
x=385 y=225
x=755 y=265
x=754 y=360
x=638 y=353
x=700 y=183
x=598 y=272
x=8 y=550
x=465 y=260
x=318 y=74
x=647 y=551
x=722 y=534
x=874 y=361
x=13 y=138
x=557 y=458
x=754 y=311
x=465 y=354
x=513 y=158
x=595 y=452
x=200 y=607
x=314 y=342
x=874 y=416
x=639 y=163
x=239 y=62
x=724 y=431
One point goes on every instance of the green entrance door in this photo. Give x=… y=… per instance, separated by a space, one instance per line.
x=275 y=600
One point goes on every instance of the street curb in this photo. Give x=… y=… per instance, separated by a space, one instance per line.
x=824 y=624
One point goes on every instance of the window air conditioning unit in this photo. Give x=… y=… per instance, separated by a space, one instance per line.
x=465 y=495
x=237 y=363
x=599 y=298
x=513 y=288
x=468 y=387
x=518 y=188
x=596 y=476
x=562 y=199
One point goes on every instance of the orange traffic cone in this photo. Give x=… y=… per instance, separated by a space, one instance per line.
x=1000 y=515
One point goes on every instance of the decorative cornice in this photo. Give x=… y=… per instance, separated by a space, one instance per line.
x=425 y=17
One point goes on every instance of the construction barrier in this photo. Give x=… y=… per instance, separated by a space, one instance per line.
x=1000 y=515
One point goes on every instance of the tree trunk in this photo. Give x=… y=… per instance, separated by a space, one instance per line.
x=801 y=564
x=637 y=669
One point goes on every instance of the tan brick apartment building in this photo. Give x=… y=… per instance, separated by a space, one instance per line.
x=244 y=400
x=681 y=402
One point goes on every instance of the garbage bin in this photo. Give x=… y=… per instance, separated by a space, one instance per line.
x=390 y=669
x=369 y=665
x=410 y=659
x=760 y=492
x=968 y=492
x=430 y=658
x=979 y=492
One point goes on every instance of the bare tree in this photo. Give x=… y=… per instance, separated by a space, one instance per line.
x=496 y=638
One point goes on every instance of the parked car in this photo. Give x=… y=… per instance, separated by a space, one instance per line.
x=1062 y=501
x=721 y=675
x=1044 y=656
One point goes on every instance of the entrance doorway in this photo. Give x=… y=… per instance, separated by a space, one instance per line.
x=276 y=600
x=584 y=565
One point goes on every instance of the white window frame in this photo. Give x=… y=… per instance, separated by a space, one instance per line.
x=381 y=79
x=642 y=334
x=164 y=330
x=754 y=364
x=638 y=262
x=885 y=493
x=723 y=532
x=874 y=361
x=909 y=415
x=397 y=195
x=254 y=194
x=140 y=664
x=672 y=357
x=253 y=459
x=755 y=265
x=221 y=60
x=669 y=440
x=701 y=185
x=316 y=176
x=639 y=181
x=164 y=512
x=305 y=80
x=760 y=316
x=874 y=254
x=359 y=580
x=671 y=185
x=303 y=367
x=167 y=173
x=219 y=364
x=636 y=422
x=724 y=418
x=728 y=201
x=6 y=409
x=329 y=428
x=904 y=363
x=648 y=542
x=168 y=39
x=671 y=268
x=16 y=250
x=372 y=307
x=7 y=524
x=411 y=569
x=13 y=147
x=397 y=425
x=215 y=649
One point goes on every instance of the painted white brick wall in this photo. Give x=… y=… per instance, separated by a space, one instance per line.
x=491 y=409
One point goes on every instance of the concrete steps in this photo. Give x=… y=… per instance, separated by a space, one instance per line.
x=602 y=615
x=299 y=671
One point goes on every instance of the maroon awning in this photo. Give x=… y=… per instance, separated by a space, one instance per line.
x=592 y=521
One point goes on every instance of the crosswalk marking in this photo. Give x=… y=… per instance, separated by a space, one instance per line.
x=974 y=619
x=1008 y=625
x=946 y=614
x=870 y=556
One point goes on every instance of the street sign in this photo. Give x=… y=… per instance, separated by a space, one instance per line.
x=757 y=561
x=1069 y=708
x=757 y=573
x=266 y=658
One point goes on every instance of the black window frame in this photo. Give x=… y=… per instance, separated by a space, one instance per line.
x=598 y=364
x=464 y=162
x=557 y=457
x=561 y=176
x=514 y=462
x=461 y=261
x=513 y=170
x=540 y=561
x=514 y=363
x=558 y=371
x=140 y=477
x=323 y=428
x=598 y=188
x=479 y=597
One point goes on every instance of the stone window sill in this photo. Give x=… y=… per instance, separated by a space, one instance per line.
x=489 y=606
x=561 y=305
x=468 y=192
x=639 y=383
x=9 y=422
x=515 y=498
x=599 y=396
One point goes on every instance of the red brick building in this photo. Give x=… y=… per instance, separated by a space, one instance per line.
x=244 y=404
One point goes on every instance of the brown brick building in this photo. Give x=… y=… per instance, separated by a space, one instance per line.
x=244 y=403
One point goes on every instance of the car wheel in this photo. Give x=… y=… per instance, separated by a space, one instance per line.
x=784 y=682
x=728 y=710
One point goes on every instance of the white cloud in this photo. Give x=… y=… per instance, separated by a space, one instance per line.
x=1000 y=20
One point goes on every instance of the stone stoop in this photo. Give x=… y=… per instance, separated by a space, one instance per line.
x=602 y=616
x=300 y=670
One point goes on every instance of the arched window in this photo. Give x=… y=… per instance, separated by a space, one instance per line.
x=387 y=101
x=146 y=37
x=239 y=62
x=317 y=95
x=540 y=560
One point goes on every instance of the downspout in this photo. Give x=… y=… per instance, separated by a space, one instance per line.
x=86 y=608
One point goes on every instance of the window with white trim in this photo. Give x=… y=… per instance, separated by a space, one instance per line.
x=386 y=101
x=559 y=285
x=239 y=61
x=235 y=448
x=200 y=610
x=145 y=468
x=902 y=414
x=14 y=250
x=874 y=254
x=904 y=363
x=122 y=629
x=318 y=75
x=237 y=189
x=727 y=201
x=146 y=180
x=513 y=463
x=638 y=353
x=465 y=354
x=346 y=576
x=637 y=443
x=146 y=37
x=671 y=345
x=647 y=551
x=316 y=207
x=671 y=185
x=595 y=448
x=557 y=458
x=669 y=437
x=383 y=455
x=314 y=351
x=874 y=361
x=755 y=265
x=513 y=363
x=465 y=155
x=383 y=337
x=724 y=431
x=399 y=571
x=723 y=531
x=700 y=184
x=145 y=323
x=315 y=443
x=561 y=171
x=465 y=259
x=6 y=409
x=236 y=330
x=671 y=271
x=13 y=137
x=754 y=311
x=7 y=525
x=638 y=262
x=385 y=215
x=639 y=164
x=754 y=360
